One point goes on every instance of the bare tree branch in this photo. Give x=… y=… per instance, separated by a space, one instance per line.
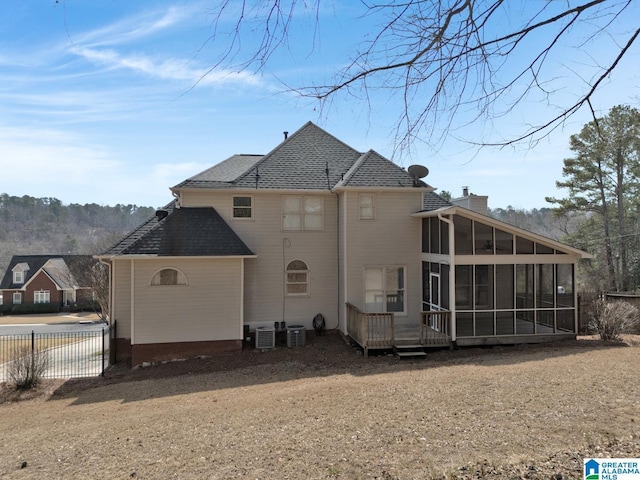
x=452 y=62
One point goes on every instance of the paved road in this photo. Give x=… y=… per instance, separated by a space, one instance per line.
x=52 y=328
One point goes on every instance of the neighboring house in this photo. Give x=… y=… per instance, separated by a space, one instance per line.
x=315 y=227
x=45 y=279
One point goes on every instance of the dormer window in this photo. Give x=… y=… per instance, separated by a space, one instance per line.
x=19 y=272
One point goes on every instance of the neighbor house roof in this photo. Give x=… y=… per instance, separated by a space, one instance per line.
x=183 y=232
x=309 y=159
x=60 y=268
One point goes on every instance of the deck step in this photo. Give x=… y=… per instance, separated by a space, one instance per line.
x=411 y=354
x=409 y=350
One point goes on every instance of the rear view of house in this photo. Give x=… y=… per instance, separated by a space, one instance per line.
x=316 y=227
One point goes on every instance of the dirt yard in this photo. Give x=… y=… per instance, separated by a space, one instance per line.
x=323 y=412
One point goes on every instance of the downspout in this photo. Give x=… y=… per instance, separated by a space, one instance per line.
x=452 y=275
x=345 y=263
x=133 y=302
x=242 y=298
x=338 y=282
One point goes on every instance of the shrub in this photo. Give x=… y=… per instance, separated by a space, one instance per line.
x=27 y=367
x=24 y=308
x=611 y=319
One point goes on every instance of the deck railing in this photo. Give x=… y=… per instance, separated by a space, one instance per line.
x=435 y=328
x=370 y=330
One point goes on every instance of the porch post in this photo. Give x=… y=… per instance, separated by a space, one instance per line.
x=452 y=275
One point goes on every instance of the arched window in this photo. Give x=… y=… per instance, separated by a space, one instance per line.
x=169 y=276
x=297 y=278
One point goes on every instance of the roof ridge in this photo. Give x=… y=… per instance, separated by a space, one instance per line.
x=287 y=140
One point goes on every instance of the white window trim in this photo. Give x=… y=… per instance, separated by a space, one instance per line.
x=17 y=298
x=384 y=276
x=250 y=207
x=302 y=214
x=45 y=294
x=181 y=276
x=373 y=207
x=18 y=276
x=287 y=282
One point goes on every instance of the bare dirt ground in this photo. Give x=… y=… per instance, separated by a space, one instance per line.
x=322 y=411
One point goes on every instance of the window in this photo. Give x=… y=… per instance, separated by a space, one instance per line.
x=483 y=238
x=463 y=235
x=169 y=276
x=367 y=206
x=297 y=278
x=504 y=243
x=464 y=286
x=17 y=298
x=41 y=296
x=18 y=276
x=384 y=289
x=302 y=213
x=484 y=287
x=243 y=207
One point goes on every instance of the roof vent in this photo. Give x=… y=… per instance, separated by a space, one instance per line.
x=161 y=214
x=286 y=134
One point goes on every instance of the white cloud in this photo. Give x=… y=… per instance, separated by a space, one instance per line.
x=167 y=69
x=135 y=27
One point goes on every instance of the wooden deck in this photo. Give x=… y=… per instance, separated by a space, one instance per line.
x=380 y=331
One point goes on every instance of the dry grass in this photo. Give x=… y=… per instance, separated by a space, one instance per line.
x=322 y=411
x=11 y=347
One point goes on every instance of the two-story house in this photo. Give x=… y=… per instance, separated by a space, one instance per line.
x=317 y=227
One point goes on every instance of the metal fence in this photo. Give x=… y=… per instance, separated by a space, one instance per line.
x=67 y=354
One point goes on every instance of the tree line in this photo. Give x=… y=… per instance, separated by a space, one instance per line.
x=41 y=226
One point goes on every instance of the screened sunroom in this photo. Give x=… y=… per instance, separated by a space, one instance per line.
x=502 y=284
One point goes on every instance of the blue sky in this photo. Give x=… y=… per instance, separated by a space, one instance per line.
x=105 y=102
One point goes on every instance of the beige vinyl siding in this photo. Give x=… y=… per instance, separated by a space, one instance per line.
x=265 y=301
x=208 y=308
x=121 y=272
x=397 y=243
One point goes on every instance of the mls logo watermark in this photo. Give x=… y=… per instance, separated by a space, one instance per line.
x=611 y=468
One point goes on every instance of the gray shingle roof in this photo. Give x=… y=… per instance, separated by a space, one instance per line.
x=310 y=159
x=226 y=171
x=433 y=201
x=373 y=170
x=183 y=232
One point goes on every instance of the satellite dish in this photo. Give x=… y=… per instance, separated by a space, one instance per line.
x=418 y=171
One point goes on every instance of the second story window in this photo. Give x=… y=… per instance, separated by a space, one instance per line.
x=243 y=207
x=18 y=276
x=367 y=206
x=302 y=213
